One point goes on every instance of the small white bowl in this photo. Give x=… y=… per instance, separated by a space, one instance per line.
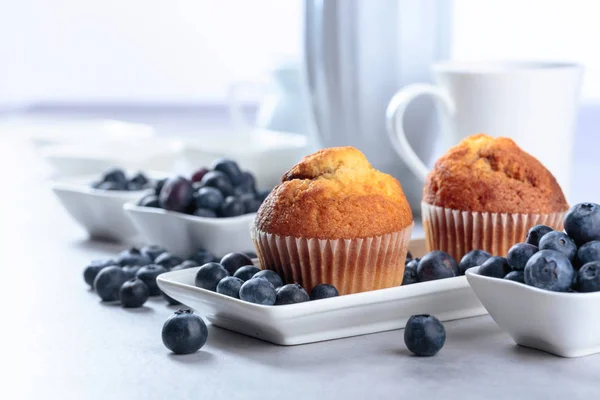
x=565 y=324
x=99 y=212
x=184 y=234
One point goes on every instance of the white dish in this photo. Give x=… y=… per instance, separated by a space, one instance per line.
x=565 y=324
x=184 y=234
x=334 y=318
x=99 y=212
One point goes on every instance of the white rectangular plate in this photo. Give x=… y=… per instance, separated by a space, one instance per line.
x=334 y=318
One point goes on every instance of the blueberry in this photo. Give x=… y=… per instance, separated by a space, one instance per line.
x=436 y=265
x=588 y=277
x=133 y=293
x=474 y=258
x=131 y=270
x=202 y=256
x=91 y=271
x=184 y=332
x=247 y=183
x=199 y=174
x=230 y=286
x=185 y=265
x=168 y=260
x=140 y=179
x=323 y=291
x=219 y=180
x=246 y=272
x=152 y=251
x=424 y=335
x=251 y=204
x=410 y=273
x=560 y=242
x=231 y=207
x=516 y=276
x=262 y=195
x=170 y=300
x=259 y=291
x=204 y=213
x=409 y=257
x=208 y=197
x=550 y=270
x=232 y=261
x=133 y=257
x=535 y=234
x=588 y=252
x=519 y=254
x=148 y=274
x=290 y=294
x=495 y=267
x=159 y=185
x=149 y=200
x=108 y=282
x=112 y=186
x=209 y=275
x=176 y=194
x=239 y=191
x=582 y=223
x=114 y=175
x=271 y=276
x=229 y=168
x=132 y=186
x=96 y=184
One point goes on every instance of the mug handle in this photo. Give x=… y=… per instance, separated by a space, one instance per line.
x=394 y=116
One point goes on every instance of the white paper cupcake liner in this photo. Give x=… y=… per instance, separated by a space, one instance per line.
x=457 y=232
x=351 y=265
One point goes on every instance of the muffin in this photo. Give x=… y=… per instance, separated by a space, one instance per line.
x=485 y=193
x=335 y=219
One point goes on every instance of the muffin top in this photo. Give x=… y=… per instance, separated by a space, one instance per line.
x=335 y=193
x=486 y=174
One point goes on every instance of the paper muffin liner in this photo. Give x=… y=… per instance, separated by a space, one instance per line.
x=457 y=232
x=351 y=265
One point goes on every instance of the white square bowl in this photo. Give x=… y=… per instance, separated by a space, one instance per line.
x=333 y=318
x=565 y=324
x=184 y=234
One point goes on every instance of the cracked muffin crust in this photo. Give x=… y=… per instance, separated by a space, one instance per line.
x=486 y=174
x=335 y=193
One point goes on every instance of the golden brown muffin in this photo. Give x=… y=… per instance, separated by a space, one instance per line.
x=486 y=174
x=335 y=193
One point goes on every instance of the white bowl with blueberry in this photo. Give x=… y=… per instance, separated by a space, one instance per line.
x=546 y=292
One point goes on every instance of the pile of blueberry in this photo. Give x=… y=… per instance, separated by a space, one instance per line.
x=558 y=261
x=236 y=276
x=116 y=179
x=222 y=191
x=439 y=265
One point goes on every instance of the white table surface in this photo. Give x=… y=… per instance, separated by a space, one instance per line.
x=60 y=341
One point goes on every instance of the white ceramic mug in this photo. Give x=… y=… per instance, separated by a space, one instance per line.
x=534 y=103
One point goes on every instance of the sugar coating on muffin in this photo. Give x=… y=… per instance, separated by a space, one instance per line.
x=335 y=193
x=486 y=174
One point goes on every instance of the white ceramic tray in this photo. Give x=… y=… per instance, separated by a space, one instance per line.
x=334 y=318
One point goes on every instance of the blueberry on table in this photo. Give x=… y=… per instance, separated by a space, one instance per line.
x=140 y=179
x=582 y=223
x=231 y=207
x=168 y=260
x=536 y=232
x=588 y=277
x=108 y=282
x=258 y=291
x=246 y=272
x=149 y=200
x=148 y=275
x=519 y=254
x=218 y=180
x=588 y=252
x=209 y=275
x=112 y=186
x=185 y=265
x=230 y=286
x=131 y=270
x=204 y=213
x=114 y=175
x=91 y=271
x=176 y=194
x=323 y=291
x=474 y=258
x=208 y=197
x=550 y=270
x=133 y=257
x=436 y=265
x=495 y=267
x=152 y=251
x=560 y=242
x=229 y=168
x=410 y=273
x=133 y=293
x=290 y=294
x=170 y=300
x=232 y=261
x=271 y=276
x=184 y=332
x=202 y=256
x=424 y=335
x=516 y=276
